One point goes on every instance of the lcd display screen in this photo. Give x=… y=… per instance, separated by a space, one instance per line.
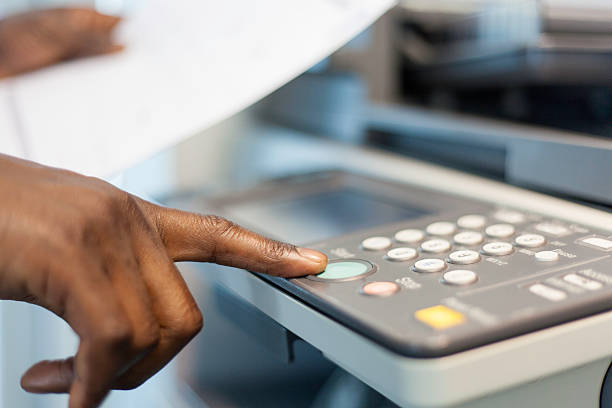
x=322 y=215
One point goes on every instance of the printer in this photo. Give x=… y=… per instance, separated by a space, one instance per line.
x=468 y=228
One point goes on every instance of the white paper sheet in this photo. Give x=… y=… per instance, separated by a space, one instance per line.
x=187 y=65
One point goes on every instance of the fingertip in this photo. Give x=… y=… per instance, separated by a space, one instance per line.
x=316 y=257
x=308 y=262
x=48 y=377
x=33 y=380
x=26 y=382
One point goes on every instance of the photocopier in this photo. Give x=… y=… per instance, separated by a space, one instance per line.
x=444 y=288
x=470 y=257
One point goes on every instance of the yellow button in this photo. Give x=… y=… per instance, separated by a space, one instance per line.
x=439 y=317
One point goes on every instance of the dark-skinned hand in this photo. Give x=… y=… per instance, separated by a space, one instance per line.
x=103 y=260
x=36 y=39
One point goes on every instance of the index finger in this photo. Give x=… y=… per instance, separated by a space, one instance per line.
x=209 y=238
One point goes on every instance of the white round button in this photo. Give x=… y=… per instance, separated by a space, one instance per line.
x=429 y=265
x=464 y=257
x=497 y=248
x=510 y=216
x=401 y=254
x=547 y=256
x=551 y=228
x=500 y=230
x=441 y=228
x=468 y=238
x=472 y=221
x=459 y=277
x=436 y=245
x=409 y=236
x=376 y=243
x=530 y=240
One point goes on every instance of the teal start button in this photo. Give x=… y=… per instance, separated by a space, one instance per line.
x=344 y=270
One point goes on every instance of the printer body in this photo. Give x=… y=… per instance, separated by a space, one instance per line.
x=468 y=224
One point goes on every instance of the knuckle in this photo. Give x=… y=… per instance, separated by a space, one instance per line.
x=276 y=250
x=104 y=199
x=98 y=212
x=127 y=202
x=218 y=225
x=111 y=204
x=147 y=339
x=190 y=325
x=115 y=332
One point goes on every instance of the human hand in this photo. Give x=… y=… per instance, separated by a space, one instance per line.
x=40 y=38
x=103 y=260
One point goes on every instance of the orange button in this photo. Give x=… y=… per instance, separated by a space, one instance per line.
x=440 y=317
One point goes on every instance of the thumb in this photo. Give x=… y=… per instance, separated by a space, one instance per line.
x=209 y=238
x=49 y=377
x=94 y=32
x=103 y=23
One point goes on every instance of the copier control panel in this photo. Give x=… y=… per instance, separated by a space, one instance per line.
x=425 y=273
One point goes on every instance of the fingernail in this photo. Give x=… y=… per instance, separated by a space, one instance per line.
x=312 y=255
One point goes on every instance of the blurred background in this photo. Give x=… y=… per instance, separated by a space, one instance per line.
x=509 y=89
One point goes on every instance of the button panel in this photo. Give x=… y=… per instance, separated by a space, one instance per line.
x=474 y=268
x=421 y=264
x=467 y=236
x=455 y=274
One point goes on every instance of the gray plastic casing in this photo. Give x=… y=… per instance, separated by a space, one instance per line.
x=581 y=345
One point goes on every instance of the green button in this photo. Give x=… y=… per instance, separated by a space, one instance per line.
x=345 y=269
